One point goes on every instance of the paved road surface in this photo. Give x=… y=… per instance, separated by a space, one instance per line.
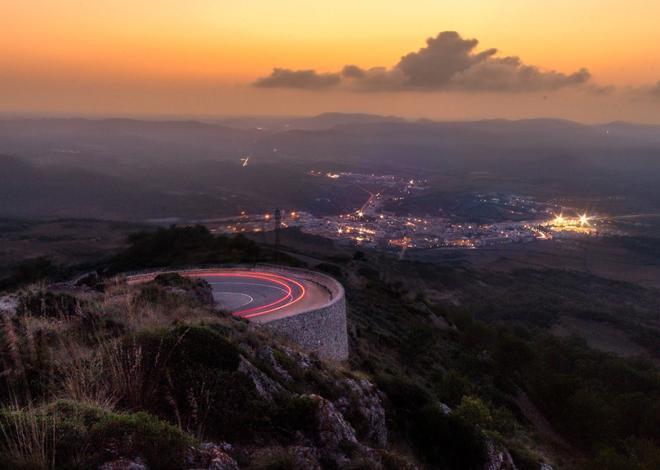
x=261 y=296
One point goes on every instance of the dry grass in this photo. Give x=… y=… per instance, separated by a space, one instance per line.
x=79 y=362
x=28 y=438
x=121 y=303
x=84 y=378
x=91 y=367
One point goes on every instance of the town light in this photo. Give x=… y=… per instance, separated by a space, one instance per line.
x=584 y=220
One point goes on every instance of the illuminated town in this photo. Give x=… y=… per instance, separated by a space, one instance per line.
x=372 y=226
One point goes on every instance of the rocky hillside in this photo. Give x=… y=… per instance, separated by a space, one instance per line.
x=445 y=372
x=152 y=377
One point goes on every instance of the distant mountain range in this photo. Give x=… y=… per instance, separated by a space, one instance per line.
x=132 y=168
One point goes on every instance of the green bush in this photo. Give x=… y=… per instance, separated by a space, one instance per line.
x=193 y=381
x=473 y=411
x=160 y=444
x=84 y=436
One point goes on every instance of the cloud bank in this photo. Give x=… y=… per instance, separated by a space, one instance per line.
x=447 y=63
x=305 y=79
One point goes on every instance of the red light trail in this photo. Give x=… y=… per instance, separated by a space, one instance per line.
x=293 y=290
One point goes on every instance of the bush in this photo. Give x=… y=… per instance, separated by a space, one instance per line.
x=451 y=387
x=160 y=444
x=192 y=380
x=190 y=346
x=442 y=441
x=43 y=303
x=446 y=441
x=297 y=414
x=180 y=246
x=26 y=361
x=404 y=395
x=79 y=435
x=331 y=269
x=474 y=412
x=30 y=271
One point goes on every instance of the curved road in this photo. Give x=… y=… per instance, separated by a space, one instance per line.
x=260 y=296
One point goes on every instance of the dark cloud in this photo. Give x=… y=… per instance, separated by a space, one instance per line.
x=447 y=62
x=305 y=79
x=441 y=61
x=352 y=71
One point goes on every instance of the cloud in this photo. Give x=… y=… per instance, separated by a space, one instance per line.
x=643 y=92
x=352 y=71
x=303 y=79
x=447 y=62
x=655 y=90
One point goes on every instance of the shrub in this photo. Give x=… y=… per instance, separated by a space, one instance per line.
x=171 y=290
x=297 y=414
x=446 y=441
x=183 y=347
x=41 y=303
x=186 y=245
x=26 y=361
x=69 y=434
x=474 y=412
x=27 y=439
x=30 y=271
x=452 y=386
x=330 y=269
x=160 y=444
x=404 y=395
x=191 y=379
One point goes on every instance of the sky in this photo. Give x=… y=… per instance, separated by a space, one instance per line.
x=588 y=60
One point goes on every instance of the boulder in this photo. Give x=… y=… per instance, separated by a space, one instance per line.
x=210 y=456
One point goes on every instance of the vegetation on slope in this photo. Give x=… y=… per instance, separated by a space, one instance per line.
x=488 y=351
x=462 y=361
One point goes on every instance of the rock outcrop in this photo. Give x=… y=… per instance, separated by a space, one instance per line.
x=210 y=456
x=265 y=353
x=363 y=404
x=498 y=458
x=265 y=386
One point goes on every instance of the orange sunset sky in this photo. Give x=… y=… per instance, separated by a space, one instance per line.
x=216 y=57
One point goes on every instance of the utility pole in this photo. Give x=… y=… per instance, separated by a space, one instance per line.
x=263 y=229
x=278 y=223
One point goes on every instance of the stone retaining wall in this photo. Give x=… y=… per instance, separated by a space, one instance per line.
x=322 y=330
